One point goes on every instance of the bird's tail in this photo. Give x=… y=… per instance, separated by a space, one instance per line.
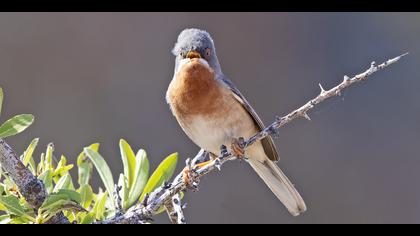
x=279 y=184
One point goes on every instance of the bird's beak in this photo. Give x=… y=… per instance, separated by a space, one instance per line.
x=193 y=54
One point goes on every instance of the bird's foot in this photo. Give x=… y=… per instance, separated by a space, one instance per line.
x=189 y=174
x=187 y=178
x=238 y=148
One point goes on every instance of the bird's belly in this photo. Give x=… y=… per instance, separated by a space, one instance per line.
x=209 y=133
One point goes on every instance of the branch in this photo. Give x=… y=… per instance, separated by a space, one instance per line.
x=175 y=210
x=32 y=189
x=164 y=195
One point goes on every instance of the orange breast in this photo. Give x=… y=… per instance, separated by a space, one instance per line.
x=194 y=91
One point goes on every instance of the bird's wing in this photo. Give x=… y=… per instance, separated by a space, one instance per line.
x=268 y=144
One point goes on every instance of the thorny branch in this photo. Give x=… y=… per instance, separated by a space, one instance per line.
x=164 y=196
x=168 y=196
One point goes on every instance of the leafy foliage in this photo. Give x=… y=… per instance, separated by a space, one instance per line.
x=79 y=204
x=82 y=204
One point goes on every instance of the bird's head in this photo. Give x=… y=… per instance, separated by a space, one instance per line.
x=195 y=44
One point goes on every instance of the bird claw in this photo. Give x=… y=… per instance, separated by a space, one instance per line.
x=188 y=176
x=238 y=148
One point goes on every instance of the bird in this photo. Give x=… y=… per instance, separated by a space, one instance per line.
x=213 y=112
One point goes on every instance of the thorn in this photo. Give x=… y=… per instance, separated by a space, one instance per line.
x=305 y=115
x=396 y=58
x=322 y=89
x=195 y=186
x=184 y=206
x=403 y=55
x=372 y=65
x=346 y=78
x=217 y=164
x=188 y=162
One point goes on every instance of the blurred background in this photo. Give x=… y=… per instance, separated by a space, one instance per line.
x=99 y=77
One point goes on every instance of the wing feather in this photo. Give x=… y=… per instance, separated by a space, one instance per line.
x=268 y=143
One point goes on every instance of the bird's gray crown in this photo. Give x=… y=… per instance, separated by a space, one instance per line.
x=193 y=39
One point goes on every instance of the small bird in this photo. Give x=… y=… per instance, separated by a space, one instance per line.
x=213 y=112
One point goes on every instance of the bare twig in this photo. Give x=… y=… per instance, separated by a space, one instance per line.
x=32 y=189
x=174 y=209
x=118 y=201
x=163 y=195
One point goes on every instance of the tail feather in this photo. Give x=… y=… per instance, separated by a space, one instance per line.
x=279 y=184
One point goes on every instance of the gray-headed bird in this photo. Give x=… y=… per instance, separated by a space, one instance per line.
x=212 y=112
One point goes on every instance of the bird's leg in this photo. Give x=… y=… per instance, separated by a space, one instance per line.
x=238 y=148
x=187 y=172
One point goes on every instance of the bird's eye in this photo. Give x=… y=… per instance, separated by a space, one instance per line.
x=208 y=52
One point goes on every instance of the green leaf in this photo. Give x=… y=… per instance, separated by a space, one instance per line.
x=84 y=173
x=5 y=219
x=27 y=156
x=58 y=206
x=163 y=173
x=40 y=168
x=82 y=156
x=103 y=170
x=85 y=166
x=16 y=125
x=62 y=168
x=86 y=194
x=11 y=203
x=64 y=199
x=32 y=166
x=52 y=200
x=129 y=161
x=88 y=218
x=63 y=183
x=140 y=177
x=73 y=207
x=20 y=220
x=99 y=207
x=1 y=98
x=48 y=157
x=9 y=184
x=71 y=195
x=46 y=178
x=2 y=207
